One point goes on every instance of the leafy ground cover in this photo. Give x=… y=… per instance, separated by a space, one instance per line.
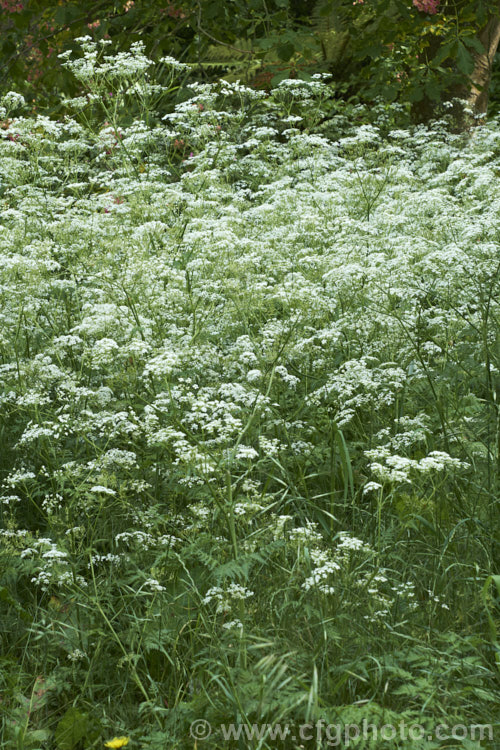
x=249 y=416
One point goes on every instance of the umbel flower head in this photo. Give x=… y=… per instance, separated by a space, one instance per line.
x=117 y=742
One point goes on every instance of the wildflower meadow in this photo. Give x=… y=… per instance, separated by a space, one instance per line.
x=249 y=415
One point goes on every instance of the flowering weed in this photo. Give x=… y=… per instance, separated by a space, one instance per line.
x=249 y=387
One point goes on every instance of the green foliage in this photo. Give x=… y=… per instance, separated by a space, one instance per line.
x=371 y=48
x=72 y=728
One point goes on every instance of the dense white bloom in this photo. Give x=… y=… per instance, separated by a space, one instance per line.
x=245 y=452
x=220 y=311
x=104 y=351
x=371 y=487
x=307 y=533
x=54 y=554
x=349 y=543
x=320 y=574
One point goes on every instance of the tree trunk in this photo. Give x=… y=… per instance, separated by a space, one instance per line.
x=474 y=91
x=480 y=78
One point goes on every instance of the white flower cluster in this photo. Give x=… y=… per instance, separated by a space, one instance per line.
x=225 y=598
x=398 y=469
x=319 y=576
x=233 y=625
x=348 y=543
x=10 y=102
x=305 y=534
x=95 y=66
x=154 y=585
x=51 y=565
x=76 y=655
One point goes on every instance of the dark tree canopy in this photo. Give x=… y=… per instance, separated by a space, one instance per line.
x=417 y=51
